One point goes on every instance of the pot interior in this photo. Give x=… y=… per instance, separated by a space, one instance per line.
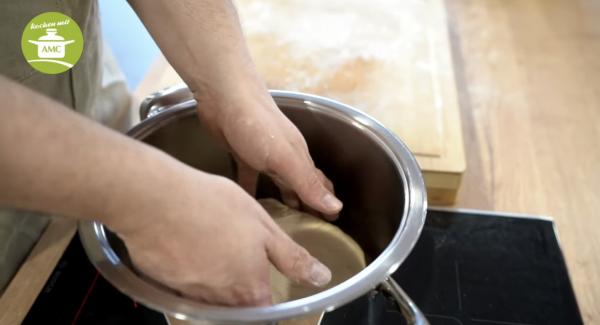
x=361 y=169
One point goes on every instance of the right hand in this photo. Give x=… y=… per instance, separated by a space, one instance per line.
x=241 y=113
x=210 y=241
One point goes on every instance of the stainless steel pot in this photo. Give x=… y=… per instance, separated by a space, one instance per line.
x=374 y=173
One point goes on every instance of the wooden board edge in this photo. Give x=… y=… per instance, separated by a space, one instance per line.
x=453 y=158
x=31 y=277
x=441 y=196
x=442 y=188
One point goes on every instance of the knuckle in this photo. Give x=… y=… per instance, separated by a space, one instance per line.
x=313 y=182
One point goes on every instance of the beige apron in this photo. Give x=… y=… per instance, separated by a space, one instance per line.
x=75 y=88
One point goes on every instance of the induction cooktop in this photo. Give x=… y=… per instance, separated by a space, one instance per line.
x=468 y=267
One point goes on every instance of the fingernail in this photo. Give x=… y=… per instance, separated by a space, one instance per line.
x=319 y=274
x=331 y=202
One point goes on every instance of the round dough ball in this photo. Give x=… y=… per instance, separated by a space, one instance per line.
x=323 y=240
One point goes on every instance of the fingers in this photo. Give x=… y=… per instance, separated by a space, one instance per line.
x=288 y=196
x=328 y=184
x=242 y=294
x=308 y=182
x=295 y=262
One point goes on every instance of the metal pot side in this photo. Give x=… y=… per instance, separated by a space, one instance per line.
x=374 y=173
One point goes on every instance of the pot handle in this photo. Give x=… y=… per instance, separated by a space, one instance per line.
x=411 y=312
x=165 y=99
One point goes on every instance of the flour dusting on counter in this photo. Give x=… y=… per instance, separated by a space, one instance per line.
x=373 y=55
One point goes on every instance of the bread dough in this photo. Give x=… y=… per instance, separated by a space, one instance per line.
x=323 y=240
x=326 y=242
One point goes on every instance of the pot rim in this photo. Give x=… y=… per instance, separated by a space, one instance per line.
x=95 y=242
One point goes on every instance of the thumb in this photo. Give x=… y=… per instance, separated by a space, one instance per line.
x=295 y=262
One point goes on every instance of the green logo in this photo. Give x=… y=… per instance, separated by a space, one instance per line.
x=52 y=42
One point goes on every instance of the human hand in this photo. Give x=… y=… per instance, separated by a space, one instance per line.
x=210 y=241
x=263 y=139
x=235 y=105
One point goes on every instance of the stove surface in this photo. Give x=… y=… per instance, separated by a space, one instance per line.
x=467 y=268
x=481 y=269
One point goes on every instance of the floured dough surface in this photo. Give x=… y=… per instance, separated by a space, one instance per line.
x=328 y=243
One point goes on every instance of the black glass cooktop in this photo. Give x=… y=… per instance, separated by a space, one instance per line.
x=467 y=268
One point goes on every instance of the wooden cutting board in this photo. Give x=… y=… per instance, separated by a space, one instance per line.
x=388 y=58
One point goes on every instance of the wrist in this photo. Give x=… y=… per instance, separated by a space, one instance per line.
x=243 y=94
x=146 y=186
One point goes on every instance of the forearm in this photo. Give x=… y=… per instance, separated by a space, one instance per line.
x=203 y=41
x=54 y=160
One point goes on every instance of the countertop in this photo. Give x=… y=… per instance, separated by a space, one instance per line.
x=528 y=76
x=528 y=80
